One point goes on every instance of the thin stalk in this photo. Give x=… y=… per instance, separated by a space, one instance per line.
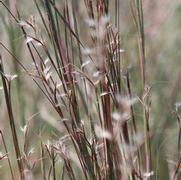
x=6 y=150
x=53 y=156
x=109 y=127
x=140 y=23
x=130 y=96
x=43 y=163
x=7 y=88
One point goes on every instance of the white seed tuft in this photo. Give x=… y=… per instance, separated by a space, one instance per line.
x=104 y=93
x=85 y=63
x=177 y=105
x=102 y=133
x=24 y=129
x=28 y=40
x=10 y=77
x=148 y=174
x=24 y=23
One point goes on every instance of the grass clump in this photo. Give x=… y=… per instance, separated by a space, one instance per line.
x=74 y=53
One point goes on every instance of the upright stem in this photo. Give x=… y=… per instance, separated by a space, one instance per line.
x=140 y=24
x=6 y=87
x=5 y=147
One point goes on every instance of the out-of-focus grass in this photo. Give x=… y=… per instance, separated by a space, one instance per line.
x=162 y=39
